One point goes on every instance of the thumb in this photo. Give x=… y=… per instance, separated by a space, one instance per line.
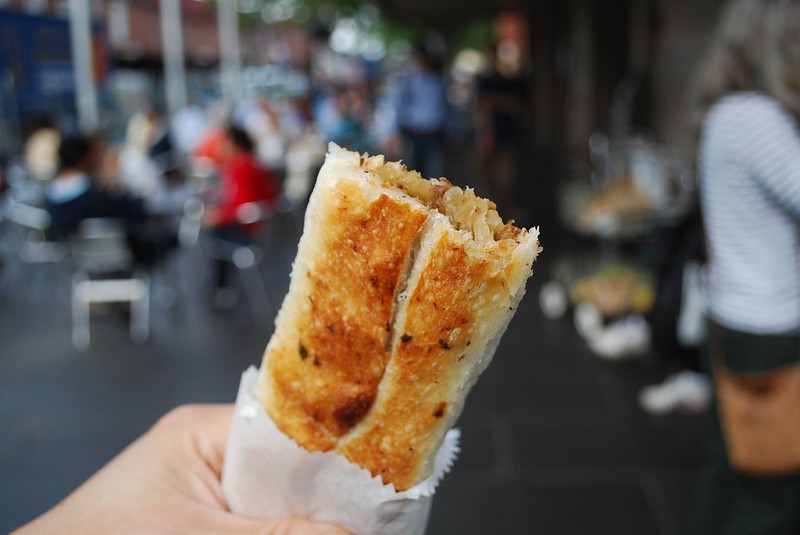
x=293 y=526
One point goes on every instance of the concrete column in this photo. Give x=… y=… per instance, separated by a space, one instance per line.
x=172 y=45
x=230 y=53
x=579 y=107
x=119 y=23
x=81 y=39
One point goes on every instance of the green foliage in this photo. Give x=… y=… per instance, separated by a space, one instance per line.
x=457 y=34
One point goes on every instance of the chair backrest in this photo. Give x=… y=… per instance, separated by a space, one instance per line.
x=28 y=236
x=99 y=246
x=254 y=212
x=27 y=216
x=191 y=222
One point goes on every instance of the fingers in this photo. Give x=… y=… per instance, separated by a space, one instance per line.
x=212 y=434
x=207 y=417
x=291 y=526
x=206 y=426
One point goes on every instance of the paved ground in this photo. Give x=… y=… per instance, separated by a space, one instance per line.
x=553 y=442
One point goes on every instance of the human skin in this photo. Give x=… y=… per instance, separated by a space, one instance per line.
x=167 y=481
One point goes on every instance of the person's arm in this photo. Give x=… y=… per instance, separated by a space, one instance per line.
x=268 y=188
x=769 y=146
x=167 y=480
x=232 y=191
x=102 y=203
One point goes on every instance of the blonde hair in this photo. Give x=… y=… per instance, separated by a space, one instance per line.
x=755 y=47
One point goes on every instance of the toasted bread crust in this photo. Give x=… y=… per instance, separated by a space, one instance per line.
x=395 y=440
x=328 y=362
x=456 y=302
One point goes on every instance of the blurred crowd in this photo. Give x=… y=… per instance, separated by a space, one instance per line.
x=239 y=163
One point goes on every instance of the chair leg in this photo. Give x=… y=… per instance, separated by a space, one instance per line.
x=140 y=315
x=297 y=216
x=81 y=337
x=164 y=282
x=288 y=248
x=257 y=294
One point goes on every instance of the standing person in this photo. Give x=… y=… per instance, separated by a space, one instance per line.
x=261 y=120
x=139 y=172
x=422 y=111
x=501 y=113
x=3 y=181
x=349 y=131
x=3 y=187
x=748 y=100
x=244 y=181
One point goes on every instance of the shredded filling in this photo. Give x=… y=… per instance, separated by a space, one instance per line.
x=464 y=209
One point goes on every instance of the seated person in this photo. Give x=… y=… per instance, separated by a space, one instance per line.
x=40 y=151
x=147 y=165
x=72 y=197
x=243 y=181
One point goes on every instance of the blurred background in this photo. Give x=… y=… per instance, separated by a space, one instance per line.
x=571 y=115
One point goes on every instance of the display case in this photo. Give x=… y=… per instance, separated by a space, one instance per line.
x=615 y=210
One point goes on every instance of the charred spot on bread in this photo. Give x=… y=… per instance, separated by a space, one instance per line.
x=353 y=409
x=303 y=351
x=406 y=338
x=439 y=412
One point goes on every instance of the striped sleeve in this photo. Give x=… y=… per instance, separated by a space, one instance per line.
x=770 y=149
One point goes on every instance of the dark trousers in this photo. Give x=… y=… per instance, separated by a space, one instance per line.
x=424 y=152
x=228 y=237
x=150 y=242
x=728 y=502
x=731 y=503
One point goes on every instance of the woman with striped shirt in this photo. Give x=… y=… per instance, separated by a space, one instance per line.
x=748 y=110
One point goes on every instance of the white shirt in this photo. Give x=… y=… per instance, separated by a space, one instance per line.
x=749 y=167
x=67 y=187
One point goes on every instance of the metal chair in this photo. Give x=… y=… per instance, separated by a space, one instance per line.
x=104 y=272
x=31 y=223
x=24 y=238
x=247 y=259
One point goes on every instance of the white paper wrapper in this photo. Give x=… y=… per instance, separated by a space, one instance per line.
x=267 y=475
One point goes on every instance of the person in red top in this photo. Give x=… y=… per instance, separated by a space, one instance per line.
x=243 y=181
x=210 y=150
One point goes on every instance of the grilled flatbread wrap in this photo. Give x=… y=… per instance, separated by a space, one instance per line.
x=399 y=294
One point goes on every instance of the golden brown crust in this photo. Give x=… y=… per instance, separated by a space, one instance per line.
x=430 y=343
x=400 y=292
x=326 y=373
x=431 y=363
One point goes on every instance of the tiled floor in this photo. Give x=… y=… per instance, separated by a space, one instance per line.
x=553 y=442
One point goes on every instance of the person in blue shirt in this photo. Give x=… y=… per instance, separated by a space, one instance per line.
x=422 y=111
